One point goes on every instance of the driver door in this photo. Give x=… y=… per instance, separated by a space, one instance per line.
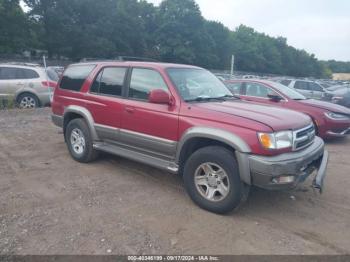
x=147 y=127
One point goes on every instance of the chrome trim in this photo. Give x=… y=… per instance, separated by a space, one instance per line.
x=297 y=140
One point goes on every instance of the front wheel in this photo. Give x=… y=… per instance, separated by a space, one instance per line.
x=212 y=180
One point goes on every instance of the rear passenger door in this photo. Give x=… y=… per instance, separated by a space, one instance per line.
x=147 y=127
x=105 y=101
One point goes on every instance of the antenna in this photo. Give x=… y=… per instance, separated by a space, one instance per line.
x=47 y=79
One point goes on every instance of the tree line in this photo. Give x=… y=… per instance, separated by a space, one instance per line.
x=174 y=31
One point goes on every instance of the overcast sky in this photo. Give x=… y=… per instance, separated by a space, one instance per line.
x=321 y=27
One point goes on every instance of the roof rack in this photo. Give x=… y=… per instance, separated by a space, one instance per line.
x=120 y=58
x=22 y=64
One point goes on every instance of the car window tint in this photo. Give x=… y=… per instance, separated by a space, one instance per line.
x=111 y=82
x=143 y=81
x=235 y=88
x=301 y=85
x=8 y=73
x=253 y=89
x=74 y=77
x=29 y=74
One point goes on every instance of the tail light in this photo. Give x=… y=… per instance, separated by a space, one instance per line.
x=49 y=84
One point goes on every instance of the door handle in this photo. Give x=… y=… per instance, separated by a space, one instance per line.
x=129 y=110
x=20 y=84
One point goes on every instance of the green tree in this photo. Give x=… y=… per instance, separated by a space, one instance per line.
x=15 y=29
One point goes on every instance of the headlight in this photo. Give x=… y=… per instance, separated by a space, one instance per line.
x=337 y=116
x=277 y=140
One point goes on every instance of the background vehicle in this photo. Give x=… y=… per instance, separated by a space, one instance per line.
x=309 y=89
x=27 y=84
x=184 y=120
x=331 y=120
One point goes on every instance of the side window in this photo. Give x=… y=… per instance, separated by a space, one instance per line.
x=257 y=90
x=143 y=81
x=74 y=77
x=109 y=81
x=235 y=88
x=22 y=73
x=315 y=87
x=8 y=73
x=301 y=85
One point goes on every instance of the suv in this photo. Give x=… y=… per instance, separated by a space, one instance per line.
x=184 y=120
x=27 y=83
x=309 y=89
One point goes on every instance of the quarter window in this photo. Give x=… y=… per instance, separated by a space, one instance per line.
x=74 y=77
x=143 y=81
x=109 y=81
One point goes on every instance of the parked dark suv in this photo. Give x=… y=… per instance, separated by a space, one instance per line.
x=184 y=120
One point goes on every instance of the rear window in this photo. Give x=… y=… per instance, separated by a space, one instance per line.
x=74 y=77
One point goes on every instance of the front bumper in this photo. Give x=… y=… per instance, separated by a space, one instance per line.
x=338 y=133
x=266 y=171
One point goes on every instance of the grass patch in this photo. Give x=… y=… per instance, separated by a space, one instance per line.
x=7 y=102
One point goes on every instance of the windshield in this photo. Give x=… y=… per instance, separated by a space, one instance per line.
x=289 y=92
x=52 y=74
x=197 y=84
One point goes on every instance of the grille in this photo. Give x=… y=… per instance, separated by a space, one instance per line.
x=304 y=137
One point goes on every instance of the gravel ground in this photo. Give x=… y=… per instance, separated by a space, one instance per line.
x=50 y=204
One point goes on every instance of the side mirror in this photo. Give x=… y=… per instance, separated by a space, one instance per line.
x=159 y=96
x=274 y=98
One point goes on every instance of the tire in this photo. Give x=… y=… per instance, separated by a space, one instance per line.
x=210 y=165
x=28 y=101
x=79 y=141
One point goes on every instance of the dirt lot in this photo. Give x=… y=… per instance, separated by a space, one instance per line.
x=50 y=204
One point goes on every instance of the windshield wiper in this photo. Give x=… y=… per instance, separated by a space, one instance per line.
x=220 y=98
x=231 y=96
x=202 y=99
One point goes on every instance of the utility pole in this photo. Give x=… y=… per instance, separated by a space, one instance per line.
x=232 y=65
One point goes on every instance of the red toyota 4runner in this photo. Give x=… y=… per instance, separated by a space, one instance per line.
x=184 y=120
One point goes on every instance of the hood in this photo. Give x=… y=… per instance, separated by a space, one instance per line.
x=327 y=106
x=276 y=118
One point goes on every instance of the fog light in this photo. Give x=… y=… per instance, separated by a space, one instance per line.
x=283 y=180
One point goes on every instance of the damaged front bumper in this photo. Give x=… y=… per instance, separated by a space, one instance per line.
x=288 y=170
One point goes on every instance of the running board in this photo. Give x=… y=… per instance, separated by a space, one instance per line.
x=138 y=157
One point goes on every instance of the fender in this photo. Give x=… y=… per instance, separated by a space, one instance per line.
x=242 y=149
x=86 y=115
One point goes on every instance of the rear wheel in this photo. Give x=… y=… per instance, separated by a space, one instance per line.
x=212 y=180
x=79 y=141
x=28 y=101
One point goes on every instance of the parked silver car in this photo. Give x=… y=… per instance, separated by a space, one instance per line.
x=28 y=84
x=309 y=89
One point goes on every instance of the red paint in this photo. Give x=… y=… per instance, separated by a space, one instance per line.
x=314 y=108
x=170 y=121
